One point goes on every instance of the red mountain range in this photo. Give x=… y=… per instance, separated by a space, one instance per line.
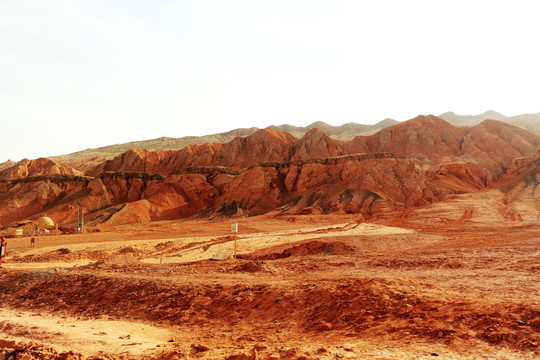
x=410 y=164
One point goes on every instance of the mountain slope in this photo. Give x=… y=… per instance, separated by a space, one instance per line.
x=343 y=132
x=496 y=144
x=28 y=168
x=471 y=120
x=428 y=140
x=425 y=137
x=163 y=143
x=529 y=122
x=410 y=164
x=520 y=186
x=316 y=144
x=366 y=184
x=91 y=157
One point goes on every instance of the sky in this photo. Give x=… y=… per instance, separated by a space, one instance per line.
x=84 y=74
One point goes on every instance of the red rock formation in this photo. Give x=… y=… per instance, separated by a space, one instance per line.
x=354 y=184
x=27 y=199
x=496 y=144
x=274 y=171
x=520 y=186
x=6 y=164
x=254 y=192
x=264 y=145
x=27 y=168
x=85 y=165
x=460 y=177
x=426 y=137
x=365 y=184
x=192 y=155
x=142 y=161
x=431 y=140
x=316 y=144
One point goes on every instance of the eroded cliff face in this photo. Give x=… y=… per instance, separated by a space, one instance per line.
x=426 y=137
x=460 y=177
x=135 y=160
x=357 y=184
x=354 y=184
x=407 y=165
x=29 y=168
x=316 y=144
x=520 y=186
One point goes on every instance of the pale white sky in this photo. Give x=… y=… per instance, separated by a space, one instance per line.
x=83 y=74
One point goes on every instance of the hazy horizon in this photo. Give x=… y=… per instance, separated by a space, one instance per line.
x=78 y=75
x=269 y=126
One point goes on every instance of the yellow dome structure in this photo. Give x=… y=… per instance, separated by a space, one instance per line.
x=45 y=223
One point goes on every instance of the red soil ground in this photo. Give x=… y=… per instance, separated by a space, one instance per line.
x=451 y=285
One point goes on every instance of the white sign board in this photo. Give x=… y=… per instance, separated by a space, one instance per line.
x=234 y=227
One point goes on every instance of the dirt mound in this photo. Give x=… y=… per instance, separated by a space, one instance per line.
x=11 y=349
x=114 y=262
x=417 y=263
x=357 y=306
x=130 y=250
x=63 y=254
x=252 y=267
x=458 y=291
x=306 y=249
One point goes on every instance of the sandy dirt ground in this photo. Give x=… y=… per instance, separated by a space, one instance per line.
x=460 y=286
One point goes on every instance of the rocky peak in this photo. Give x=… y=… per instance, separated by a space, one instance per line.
x=316 y=144
x=42 y=166
x=270 y=135
x=7 y=164
x=319 y=125
x=493 y=115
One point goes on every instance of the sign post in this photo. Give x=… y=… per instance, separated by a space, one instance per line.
x=234 y=228
x=3 y=245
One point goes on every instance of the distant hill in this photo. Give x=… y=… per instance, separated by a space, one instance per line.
x=471 y=120
x=344 y=132
x=529 y=122
x=89 y=158
x=7 y=164
x=163 y=143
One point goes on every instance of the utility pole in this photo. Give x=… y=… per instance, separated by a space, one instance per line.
x=234 y=228
x=82 y=218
